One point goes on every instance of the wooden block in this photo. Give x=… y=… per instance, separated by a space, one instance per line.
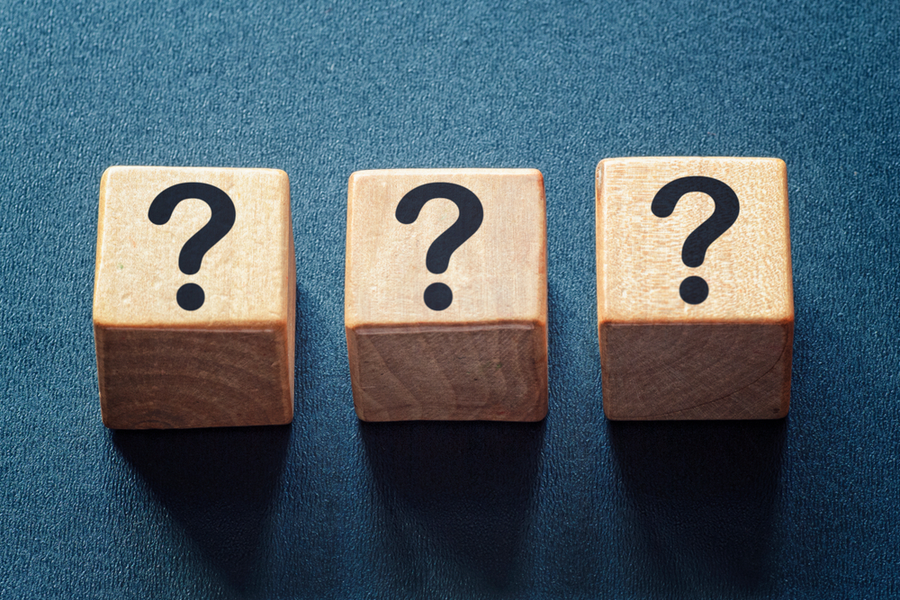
x=169 y=356
x=415 y=354
x=716 y=349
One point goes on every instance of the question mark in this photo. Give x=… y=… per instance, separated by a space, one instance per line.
x=438 y=296
x=190 y=296
x=694 y=290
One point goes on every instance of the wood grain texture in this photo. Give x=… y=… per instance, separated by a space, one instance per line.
x=727 y=357
x=231 y=361
x=485 y=356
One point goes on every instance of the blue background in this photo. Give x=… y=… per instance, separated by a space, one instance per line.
x=574 y=507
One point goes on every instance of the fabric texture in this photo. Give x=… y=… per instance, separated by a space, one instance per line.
x=573 y=507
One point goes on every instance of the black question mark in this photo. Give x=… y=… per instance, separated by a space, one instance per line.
x=438 y=296
x=190 y=296
x=694 y=290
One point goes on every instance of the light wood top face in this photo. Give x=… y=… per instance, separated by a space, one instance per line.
x=639 y=255
x=497 y=275
x=245 y=276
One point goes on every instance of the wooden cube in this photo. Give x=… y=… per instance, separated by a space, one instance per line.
x=446 y=294
x=694 y=293
x=194 y=298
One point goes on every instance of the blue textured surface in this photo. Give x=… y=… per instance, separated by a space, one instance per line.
x=575 y=507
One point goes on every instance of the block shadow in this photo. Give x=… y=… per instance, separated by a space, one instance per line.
x=218 y=484
x=456 y=498
x=700 y=502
